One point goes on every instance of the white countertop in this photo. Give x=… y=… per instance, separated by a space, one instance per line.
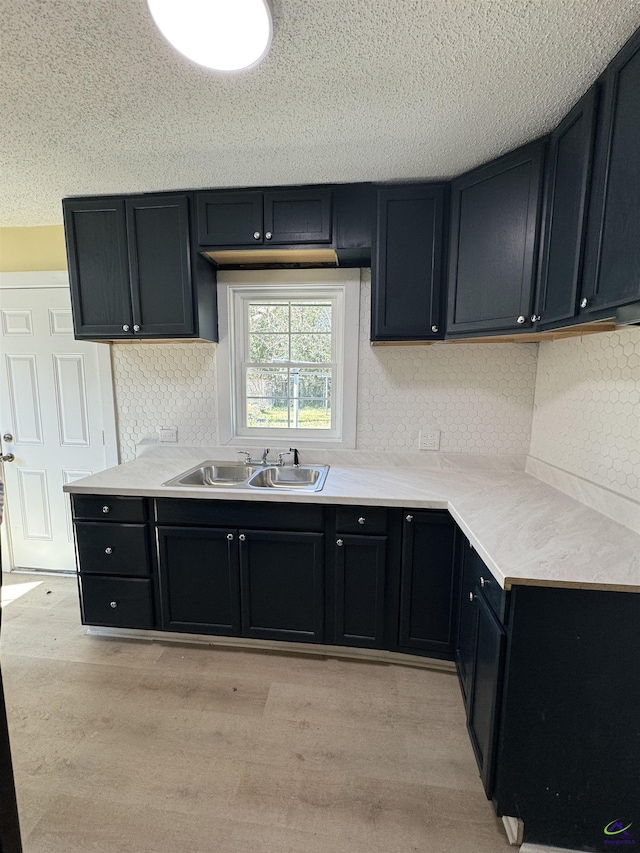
x=525 y=531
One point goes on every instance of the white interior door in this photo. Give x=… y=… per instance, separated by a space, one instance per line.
x=56 y=416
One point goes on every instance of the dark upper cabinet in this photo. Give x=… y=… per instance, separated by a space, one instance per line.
x=567 y=181
x=428 y=582
x=407 y=263
x=134 y=272
x=298 y=216
x=159 y=264
x=96 y=235
x=230 y=218
x=282 y=577
x=494 y=240
x=272 y=217
x=354 y=209
x=612 y=257
x=199 y=580
x=489 y=641
x=360 y=566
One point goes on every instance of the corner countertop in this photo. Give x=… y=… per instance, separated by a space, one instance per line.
x=525 y=531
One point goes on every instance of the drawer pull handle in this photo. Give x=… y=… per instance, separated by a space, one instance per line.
x=340 y=542
x=471 y=596
x=362 y=519
x=409 y=518
x=108 y=550
x=113 y=604
x=242 y=537
x=484 y=582
x=106 y=509
x=230 y=537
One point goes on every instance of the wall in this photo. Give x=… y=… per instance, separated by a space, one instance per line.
x=586 y=419
x=32 y=249
x=480 y=396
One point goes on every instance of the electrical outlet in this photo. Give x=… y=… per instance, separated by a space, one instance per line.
x=429 y=439
x=167 y=434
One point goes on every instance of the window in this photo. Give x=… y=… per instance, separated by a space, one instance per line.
x=285 y=359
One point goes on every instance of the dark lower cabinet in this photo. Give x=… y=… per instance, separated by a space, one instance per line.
x=428 y=582
x=199 y=580
x=282 y=577
x=466 y=622
x=485 y=688
x=117 y=602
x=360 y=570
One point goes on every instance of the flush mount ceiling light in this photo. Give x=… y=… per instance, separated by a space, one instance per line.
x=226 y=35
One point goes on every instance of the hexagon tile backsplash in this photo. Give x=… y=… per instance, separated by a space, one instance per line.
x=479 y=395
x=587 y=409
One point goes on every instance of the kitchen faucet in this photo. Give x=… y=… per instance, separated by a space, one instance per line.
x=264 y=460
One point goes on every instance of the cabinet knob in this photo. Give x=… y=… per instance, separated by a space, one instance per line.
x=106 y=509
x=256 y=235
x=230 y=537
x=521 y=319
x=113 y=604
x=471 y=596
x=409 y=517
x=340 y=542
x=584 y=302
x=108 y=550
x=535 y=318
x=483 y=582
x=268 y=235
x=242 y=537
x=125 y=328
x=136 y=327
x=434 y=328
x=362 y=519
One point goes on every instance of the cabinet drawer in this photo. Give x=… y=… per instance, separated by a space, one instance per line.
x=108 y=508
x=256 y=514
x=117 y=602
x=361 y=519
x=113 y=549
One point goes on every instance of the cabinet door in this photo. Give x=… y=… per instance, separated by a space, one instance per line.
x=199 y=580
x=96 y=239
x=360 y=584
x=297 y=216
x=229 y=218
x=568 y=173
x=494 y=240
x=428 y=582
x=612 y=259
x=159 y=264
x=406 y=275
x=486 y=690
x=282 y=585
x=466 y=622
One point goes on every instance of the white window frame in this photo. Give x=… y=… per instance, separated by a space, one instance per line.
x=235 y=288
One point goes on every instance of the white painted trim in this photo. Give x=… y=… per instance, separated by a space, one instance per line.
x=514 y=828
x=543 y=848
x=46 y=278
x=224 y=366
x=108 y=400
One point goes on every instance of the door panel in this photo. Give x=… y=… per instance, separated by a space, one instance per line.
x=466 y=622
x=199 y=580
x=298 y=216
x=229 y=218
x=159 y=262
x=51 y=403
x=98 y=270
x=282 y=585
x=360 y=591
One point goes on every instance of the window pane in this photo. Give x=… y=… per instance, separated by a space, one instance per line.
x=311 y=347
x=269 y=383
x=267 y=348
x=262 y=413
x=268 y=318
x=311 y=415
x=310 y=317
x=311 y=398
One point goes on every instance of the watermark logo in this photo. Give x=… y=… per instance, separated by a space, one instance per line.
x=618 y=832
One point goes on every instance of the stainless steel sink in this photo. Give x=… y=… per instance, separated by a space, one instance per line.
x=234 y=475
x=209 y=473
x=309 y=478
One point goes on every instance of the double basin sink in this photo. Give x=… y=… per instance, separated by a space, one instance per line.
x=234 y=475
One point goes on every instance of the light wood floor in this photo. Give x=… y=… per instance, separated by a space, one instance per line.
x=141 y=747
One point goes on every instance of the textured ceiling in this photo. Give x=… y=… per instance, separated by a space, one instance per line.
x=93 y=100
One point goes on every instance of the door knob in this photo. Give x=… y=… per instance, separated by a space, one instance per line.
x=7 y=437
x=7 y=457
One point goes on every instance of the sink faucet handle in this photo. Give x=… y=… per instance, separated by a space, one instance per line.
x=281 y=456
x=296 y=456
x=247 y=456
